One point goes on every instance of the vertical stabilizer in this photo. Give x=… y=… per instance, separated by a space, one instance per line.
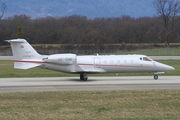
x=25 y=56
x=23 y=50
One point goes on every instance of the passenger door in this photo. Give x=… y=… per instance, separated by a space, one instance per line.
x=97 y=62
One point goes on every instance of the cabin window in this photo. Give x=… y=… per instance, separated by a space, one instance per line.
x=105 y=62
x=140 y=58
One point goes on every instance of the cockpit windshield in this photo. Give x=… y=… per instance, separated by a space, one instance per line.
x=146 y=59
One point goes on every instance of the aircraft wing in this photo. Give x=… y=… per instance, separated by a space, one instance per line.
x=89 y=70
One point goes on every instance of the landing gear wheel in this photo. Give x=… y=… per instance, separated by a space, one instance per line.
x=85 y=79
x=83 y=76
x=155 y=77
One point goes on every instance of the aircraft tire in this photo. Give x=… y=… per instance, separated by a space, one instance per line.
x=155 y=77
x=85 y=79
x=83 y=76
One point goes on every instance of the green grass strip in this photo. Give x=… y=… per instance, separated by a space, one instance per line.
x=91 y=105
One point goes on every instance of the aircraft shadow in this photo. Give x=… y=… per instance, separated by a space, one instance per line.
x=78 y=80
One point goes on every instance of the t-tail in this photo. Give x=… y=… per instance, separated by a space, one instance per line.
x=25 y=56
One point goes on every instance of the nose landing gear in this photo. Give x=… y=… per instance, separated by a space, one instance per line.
x=155 y=77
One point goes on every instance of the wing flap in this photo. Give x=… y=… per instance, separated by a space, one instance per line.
x=89 y=70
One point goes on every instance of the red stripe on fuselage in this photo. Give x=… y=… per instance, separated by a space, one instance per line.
x=30 y=61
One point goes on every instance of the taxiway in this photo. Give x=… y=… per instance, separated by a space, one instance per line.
x=94 y=83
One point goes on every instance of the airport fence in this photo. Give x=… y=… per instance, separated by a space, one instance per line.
x=149 y=52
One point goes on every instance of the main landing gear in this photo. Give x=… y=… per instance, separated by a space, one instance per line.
x=83 y=76
x=155 y=77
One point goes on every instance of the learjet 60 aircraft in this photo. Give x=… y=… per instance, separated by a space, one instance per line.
x=25 y=57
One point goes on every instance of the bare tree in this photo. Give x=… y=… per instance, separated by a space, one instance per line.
x=20 y=32
x=3 y=8
x=168 y=10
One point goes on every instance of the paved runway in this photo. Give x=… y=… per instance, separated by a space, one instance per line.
x=94 y=83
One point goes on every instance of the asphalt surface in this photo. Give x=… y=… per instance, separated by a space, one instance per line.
x=94 y=83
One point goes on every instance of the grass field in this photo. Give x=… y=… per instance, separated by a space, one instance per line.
x=7 y=70
x=154 y=52
x=150 y=52
x=94 y=105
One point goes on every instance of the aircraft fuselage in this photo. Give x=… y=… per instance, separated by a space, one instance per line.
x=109 y=64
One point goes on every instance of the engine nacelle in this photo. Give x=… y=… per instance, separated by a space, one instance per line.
x=62 y=59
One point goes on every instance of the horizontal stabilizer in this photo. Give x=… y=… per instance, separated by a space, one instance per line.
x=25 y=65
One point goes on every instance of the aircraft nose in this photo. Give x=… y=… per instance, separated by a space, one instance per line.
x=169 y=67
x=163 y=67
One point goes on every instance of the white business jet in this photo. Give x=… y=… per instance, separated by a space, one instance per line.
x=25 y=57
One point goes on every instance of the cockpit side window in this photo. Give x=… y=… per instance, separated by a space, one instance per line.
x=146 y=59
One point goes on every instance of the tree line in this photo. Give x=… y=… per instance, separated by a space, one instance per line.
x=82 y=30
